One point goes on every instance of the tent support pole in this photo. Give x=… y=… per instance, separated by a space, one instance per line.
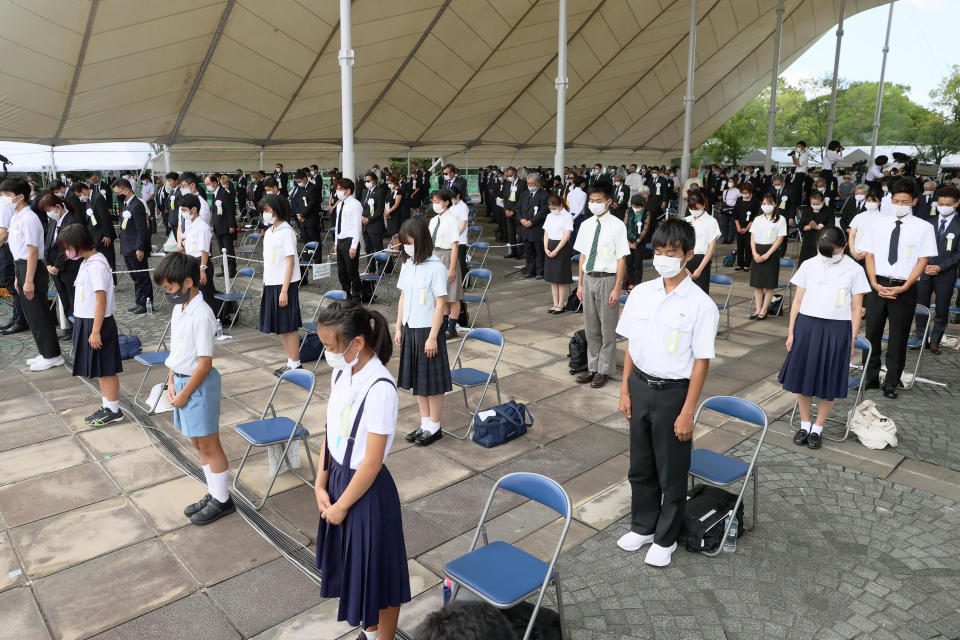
x=774 y=74
x=346 y=57
x=883 y=72
x=688 y=101
x=561 y=83
x=260 y=154
x=832 y=114
x=166 y=159
x=408 y=162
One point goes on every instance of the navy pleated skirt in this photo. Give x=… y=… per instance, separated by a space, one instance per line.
x=277 y=319
x=423 y=376
x=819 y=363
x=96 y=363
x=364 y=560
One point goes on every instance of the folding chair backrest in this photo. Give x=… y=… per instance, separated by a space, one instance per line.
x=736 y=408
x=481 y=246
x=246 y=272
x=862 y=343
x=623 y=298
x=539 y=489
x=716 y=278
x=163 y=337
x=490 y=336
x=335 y=294
x=922 y=311
x=786 y=262
x=300 y=377
x=482 y=274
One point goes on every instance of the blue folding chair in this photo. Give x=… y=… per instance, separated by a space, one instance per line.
x=275 y=431
x=470 y=377
x=310 y=327
x=305 y=259
x=503 y=575
x=473 y=263
x=722 y=470
x=479 y=300
x=575 y=267
x=151 y=360
x=724 y=307
x=246 y=272
x=379 y=261
x=248 y=246
x=787 y=263
x=853 y=382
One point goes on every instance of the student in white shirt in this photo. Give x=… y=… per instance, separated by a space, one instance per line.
x=767 y=233
x=557 y=229
x=824 y=323
x=875 y=174
x=728 y=199
x=898 y=248
x=193 y=386
x=831 y=157
x=860 y=225
x=670 y=325
x=801 y=161
x=347 y=214
x=603 y=247
x=188 y=185
x=280 y=300
x=360 y=546
x=462 y=212
x=196 y=243
x=707 y=233
x=445 y=234
x=96 y=348
x=424 y=365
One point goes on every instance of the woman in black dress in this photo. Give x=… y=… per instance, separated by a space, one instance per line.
x=767 y=233
x=810 y=219
x=744 y=212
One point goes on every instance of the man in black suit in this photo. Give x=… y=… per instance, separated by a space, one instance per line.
x=257 y=188
x=306 y=207
x=926 y=206
x=509 y=197
x=659 y=195
x=940 y=275
x=223 y=216
x=97 y=214
x=135 y=243
x=62 y=271
x=372 y=197
x=852 y=207
x=531 y=212
x=98 y=185
x=784 y=197
x=621 y=198
x=281 y=177
x=451 y=178
x=241 y=181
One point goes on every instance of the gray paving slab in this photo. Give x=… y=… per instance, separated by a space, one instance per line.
x=190 y=618
x=54 y=493
x=17 y=433
x=21 y=617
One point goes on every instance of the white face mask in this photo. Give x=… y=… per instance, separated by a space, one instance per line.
x=438 y=207
x=6 y=202
x=409 y=248
x=885 y=189
x=767 y=208
x=338 y=360
x=53 y=215
x=731 y=184
x=655 y=175
x=638 y=209
x=84 y=198
x=185 y=214
x=834 y=259
x=696 y=213
x=871 y=206
x=268 y=218
x=341 y=194
x=667 y=266
x=860 y=197
x=816 y=207
x=945 y=210
x=902 y=210
x=368 y=184
x=597 y=208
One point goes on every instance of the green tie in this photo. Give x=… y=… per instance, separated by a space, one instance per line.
x=593 y=248
x=433 y=236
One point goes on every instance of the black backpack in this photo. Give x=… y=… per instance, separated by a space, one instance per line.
x=573 y=303
x=704 y=518
x=577 y=352
x=776 y=306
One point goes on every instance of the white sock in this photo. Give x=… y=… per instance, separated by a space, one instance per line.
x=113 y=405
x=103 y=401
x=206 y=474
x=293 y=364
x=817 y=429
x=217 y=485
x=371 y=635
x=424 y=421
x=431 y=427
x=805 y=426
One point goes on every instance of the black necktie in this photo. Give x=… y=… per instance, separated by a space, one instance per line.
x=339 y=211
x=943 y=226
x=894 y=243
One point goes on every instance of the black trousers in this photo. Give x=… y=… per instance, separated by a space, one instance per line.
x=939 y=287
x=225 y=241
x=64 y=283
x=314 y=234
x=208 y=291
x=535 y=254
x=141 y=281
x=744 y=253
x=40 y=318
x=373 y=240
x=512 y=237
x=659 y=462
x=635 y=265
x=8 y=274
x=348 y=269
x=462 y=258
x=110 y=253
x=899 y=313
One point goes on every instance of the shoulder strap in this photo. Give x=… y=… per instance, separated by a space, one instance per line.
x=348 y=454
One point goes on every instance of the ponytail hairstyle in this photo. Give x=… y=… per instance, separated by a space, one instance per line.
x=351 y=319
x=830 y=239
x=49 y=200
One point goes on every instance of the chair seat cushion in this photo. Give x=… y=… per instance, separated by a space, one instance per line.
x=469 y=377
x=269 y=430
x=499 y=571
x=716 y=467
x=245 y=249
x=152 y=359
x=469 y=297
x=309 y=327
x=370 y=277
x=234 y=297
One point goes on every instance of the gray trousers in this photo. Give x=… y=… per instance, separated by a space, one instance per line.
x=600 y=324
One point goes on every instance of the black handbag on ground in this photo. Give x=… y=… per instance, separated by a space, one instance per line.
x=577 y=352
x=705 y=517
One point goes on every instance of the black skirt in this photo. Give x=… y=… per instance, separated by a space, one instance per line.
x=423 y=376
x=277 y=319
x=557 y=270
x=704 y=280
x=818 y=365
x=765 y=275
x=96 y=363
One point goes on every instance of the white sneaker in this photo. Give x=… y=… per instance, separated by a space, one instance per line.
x=36 y=358
x=633 y=541
x=44 y=363
x=658 y=556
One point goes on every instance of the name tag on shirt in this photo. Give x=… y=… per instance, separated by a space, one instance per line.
x=909 y=250
x=841 y=296
x=421 y=285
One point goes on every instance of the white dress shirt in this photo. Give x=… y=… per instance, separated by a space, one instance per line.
x=278 y=243
x=667 y=333
x=347 y=216
x=94 y=275
x=803 y=158
x=917 y=240
x=612 y=244
x=576 y=199
x=829 y=287
x=862 y=223
x=449 y=231
x=830 y=159
x=462 y=212
x=191 y=335
x=196 y=239
x=707 y=230
x=556 y=223
x=633 y=180
x=730 y=195
x=347 y=392
x=421 y=285
x=875 y=172
x=25 y=230
x=766 y=231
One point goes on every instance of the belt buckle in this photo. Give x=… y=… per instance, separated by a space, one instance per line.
x=655 y=384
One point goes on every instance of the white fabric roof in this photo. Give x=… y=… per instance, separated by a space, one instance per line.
x=432 y=75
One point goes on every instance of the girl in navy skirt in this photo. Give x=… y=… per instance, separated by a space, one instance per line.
x=824 y=322
x=360 y=547
x=96 y=352
x=424 y=365
x=280 y=300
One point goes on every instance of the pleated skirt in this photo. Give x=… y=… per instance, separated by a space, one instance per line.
x=421 y=375
x=96 y=363
x=819 y=363
x=455 y=288
x=765 y=275
x=558 y=270
x=277 y=319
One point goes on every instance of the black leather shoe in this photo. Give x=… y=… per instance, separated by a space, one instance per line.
x=17 y=328
x=413 y=435
x=213 y=511
x=529 y=275
x=801 y=436
x=424 y=440
x=586 y=376
x=813 y=441
x=6 y=326
x=139 y=310
x=890 y=393
x=191 y=509
x=133 y=308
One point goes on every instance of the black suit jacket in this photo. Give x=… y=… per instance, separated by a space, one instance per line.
x=136 y=236
x=946 y=260
x=104 y=190
x=533 y=208
x=788 y=208
x=101 y=226
x=924 y=208
x=849 y=211
x=223 y=217
x=378 y=194
x=52 y=255
x=242 y=191
x=621 y=202
x=256 y=192
x=460 y=183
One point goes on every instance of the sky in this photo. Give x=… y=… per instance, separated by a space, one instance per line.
x=922 y=47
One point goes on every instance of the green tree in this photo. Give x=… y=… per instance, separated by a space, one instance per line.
x=947 y=94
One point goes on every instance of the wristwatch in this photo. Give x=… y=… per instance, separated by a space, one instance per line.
x=203 y=267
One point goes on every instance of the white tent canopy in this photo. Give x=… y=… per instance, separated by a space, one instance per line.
x=431 y=76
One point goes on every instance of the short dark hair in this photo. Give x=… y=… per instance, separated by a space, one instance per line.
x=830 y=238
x=554 y=200
x=176 y=267
x=122 y=184
x=271 y=182
x=816 y=195
x=212 y=176
x=675 y=232
x=189 y=201
x=173 y=175
x=638 y=199
x=315 y=167
x=444 y=194
x=601 y=186
x=346 y=184
x=802 y=142
x=189 y=177
x=880 y=160
x=450 y=167
x=466 y=620
x=75 y=235
x=278 y=205
x=455 y=190
x=50 y=199
x=416 y=230
x=300 y=174
x=695 y=197
x=78 y=187
x=372 y=176
x=949 y=191
x=902 y=185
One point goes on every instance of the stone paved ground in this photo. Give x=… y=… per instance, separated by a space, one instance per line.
x=848 y=537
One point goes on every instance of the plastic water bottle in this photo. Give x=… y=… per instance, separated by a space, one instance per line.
x=219 y=328
x=150 y=306
x=447 y=590
x=730 y=542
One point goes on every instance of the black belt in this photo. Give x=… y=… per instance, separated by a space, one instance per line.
x=660 y=384
x=600 y=274
x=39 y=262
x=893 y=282
x=180 y=375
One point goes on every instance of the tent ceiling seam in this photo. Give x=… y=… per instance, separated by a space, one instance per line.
x=78 y=69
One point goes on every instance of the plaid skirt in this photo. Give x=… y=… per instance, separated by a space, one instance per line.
x=423 y=376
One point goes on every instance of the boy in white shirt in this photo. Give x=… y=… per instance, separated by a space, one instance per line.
x=196 y=243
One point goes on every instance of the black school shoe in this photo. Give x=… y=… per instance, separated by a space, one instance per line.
x=813 y=441
x=801 y=437
x=213 y=511
x=426 y=439
x=104 y=417
x=413 y=435
x=191 y=509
